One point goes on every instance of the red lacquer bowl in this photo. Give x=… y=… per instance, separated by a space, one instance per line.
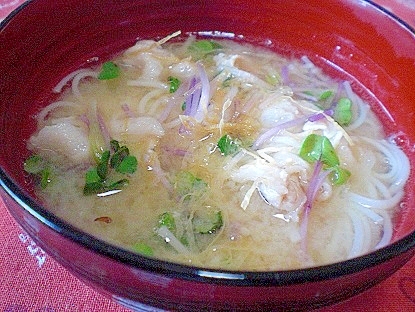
x=45 y=40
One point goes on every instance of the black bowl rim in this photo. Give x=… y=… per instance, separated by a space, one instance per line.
x=200 y=274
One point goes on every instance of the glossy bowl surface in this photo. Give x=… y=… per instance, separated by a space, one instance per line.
x=45 y=40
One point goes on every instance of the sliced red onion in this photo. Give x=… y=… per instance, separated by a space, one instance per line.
x=171 y=103
x=198 y=98
x=275 y=130
x=315 y=117
x=192 y=100
x=84 y=118
x=285 y=75
x=289 y=124
x=316 y=182
x=127 y=110
x=175 y=151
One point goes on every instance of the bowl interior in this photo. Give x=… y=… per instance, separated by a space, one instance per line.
x=350 y=39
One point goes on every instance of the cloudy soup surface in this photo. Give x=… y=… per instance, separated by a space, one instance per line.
x=218 y=154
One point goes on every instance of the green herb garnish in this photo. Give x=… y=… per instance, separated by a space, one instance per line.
x=207 y=222
x=127 y=165
x=121 y=160
x=174 y=84
x=227 y=145
x=103 y=177
x=93 y=182
x=45 y=177
x=339 y=175
x=187 y=184
x=34 y=164
x=319 y=148
x=343 y=112
x=325 y=95
x=109 y=70
x=102 y=167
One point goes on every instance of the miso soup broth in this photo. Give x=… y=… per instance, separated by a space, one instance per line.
x=218 y=154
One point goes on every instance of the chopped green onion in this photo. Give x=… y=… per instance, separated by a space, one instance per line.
x=37 y=166
x=184 y=106
x=143 y=249
x=188 y=184
x=227 y=145
x=343 y=111
x=34 y=164
x=167 y=219
x=207 y=222
x=45 y=177
x=109 y=71
x=325 y=95
x=174 y=84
